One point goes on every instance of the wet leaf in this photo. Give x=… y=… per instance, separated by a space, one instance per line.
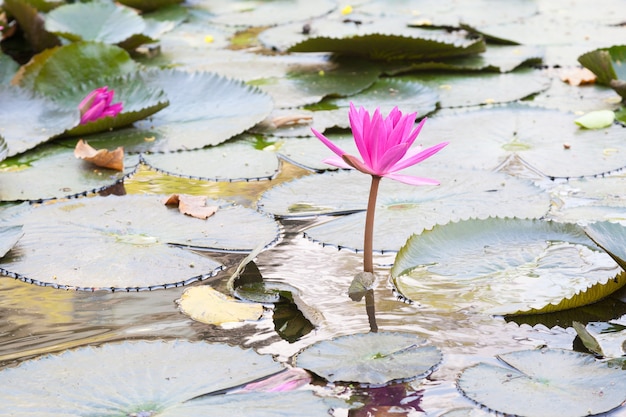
x=40 y=119
x=371 y=358
x=543 y=383
x=596 y=119
x=100 y=157
x=27 y=176
x=505 y=266
x=401 y=209
x=192 y=205
x=209 y=306
x=156 y=381
x=9 y=235
x=130 y=242
x=94 y=21
x=384 y=38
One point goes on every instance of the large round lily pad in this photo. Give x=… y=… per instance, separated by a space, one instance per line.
x=545 y=383
x=371 y=358
x=401 y=209
x=148 y=378
x=130 y=242
x=547 y=140
x=505 y=266
x=204 y=109
x=52 y=171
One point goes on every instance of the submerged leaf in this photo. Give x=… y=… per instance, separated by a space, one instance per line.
x=101 y=157
x=371 y=358
x=505 y=266
x=206 y=305
x=545 y=383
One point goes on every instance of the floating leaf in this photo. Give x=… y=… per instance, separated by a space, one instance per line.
x=9 y=235
x=40 y=119
x=100 y=157
x=156 y=381
x=205 y=109
x=206 y=305
x=52 y=171
x=607 y=65
x=505 y=266
x=95 y=21
x=32 y=24
x=535 y=136
x=383 y=38
x=130 y=242
x=8 y=68
x=611 y=237
x=401 y=209
x=242 y=13
x=371 y=358
x=149 y=5
x=545 y=383
x=192 y=205
x=596 y=119
x=577 y=76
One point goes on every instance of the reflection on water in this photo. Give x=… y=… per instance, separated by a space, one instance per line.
x=36 y=320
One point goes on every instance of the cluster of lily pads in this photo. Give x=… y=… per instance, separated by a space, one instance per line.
x=529 y=216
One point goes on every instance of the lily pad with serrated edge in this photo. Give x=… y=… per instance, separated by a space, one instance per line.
x=381 y=38
x=505 y=266
x=482 y=88
x=545 y=383
x=546 y=140
x=386 y=93
x=40 y=119
x=129 y=243
x=156 y=381
x=236 y=160
x=401 y=209
x=205 y=109
x=52 y=171
x=371 y=358
x=95 y=21
x=611 y=237
x=243 y=13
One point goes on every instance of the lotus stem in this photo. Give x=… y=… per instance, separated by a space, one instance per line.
x=368 y=243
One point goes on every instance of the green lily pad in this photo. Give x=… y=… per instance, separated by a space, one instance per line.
x=244 y=13
x=129 y=243
x=205 y=109
x=311 y=83
x=156 y=381
x=479 y=89
x=8 y=69
x=547 y=141
x=401 y=209
x=236 y=160
x=149 y=5
x=52 y=171
x=371 y=358
x=611 y=237
x=9 y=235
x=545 y=383
x=63 y=68
x=40 y=119
x=95 y=21
x=383 y=38
x=386 y=93
x=505 y=266
x=608 y=65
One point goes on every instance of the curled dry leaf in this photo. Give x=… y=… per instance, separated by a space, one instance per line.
x=291 y=119
x=100 y=157
x=191 y=205
x=577 y=76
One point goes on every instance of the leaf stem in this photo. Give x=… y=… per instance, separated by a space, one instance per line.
x=368 y=243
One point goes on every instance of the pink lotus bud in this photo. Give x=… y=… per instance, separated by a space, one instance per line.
x=97 y=105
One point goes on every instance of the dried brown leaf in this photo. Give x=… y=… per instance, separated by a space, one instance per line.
x=191 y=205
x=577 y=76
x=100 y=157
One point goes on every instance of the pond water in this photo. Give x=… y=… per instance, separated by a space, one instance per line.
x=37 y=320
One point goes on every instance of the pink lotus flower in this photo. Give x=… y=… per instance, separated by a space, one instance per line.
x=384 y=145
x=97 y=105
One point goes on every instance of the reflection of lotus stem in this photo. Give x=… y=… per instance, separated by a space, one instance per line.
x=368 y=243
x=370 y=308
